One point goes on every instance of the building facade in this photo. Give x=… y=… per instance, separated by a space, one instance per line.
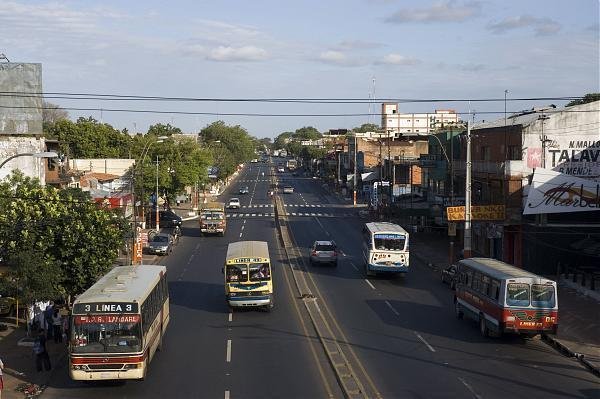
x=414 y=124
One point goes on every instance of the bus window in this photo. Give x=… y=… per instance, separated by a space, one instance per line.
x=517 y=294
x=259 y=272
x=389 y=242
x=90 y=336
x=236 y=273
x=495 y=289
x=542 y=296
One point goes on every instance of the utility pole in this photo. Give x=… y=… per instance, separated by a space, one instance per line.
x=467 y=247
x=355 y=170
x=157 y=212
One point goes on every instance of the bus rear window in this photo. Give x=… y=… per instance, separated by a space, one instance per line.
x=389 y=242
x=517 y=294
x=543 y=296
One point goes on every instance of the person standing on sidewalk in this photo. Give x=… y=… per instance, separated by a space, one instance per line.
x=1 y=380
x=48 y=320
x=41 y=354
x=57 y=326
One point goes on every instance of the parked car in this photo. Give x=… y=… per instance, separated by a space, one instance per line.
x=288 y=189
x=244 y=190
x=161 y=244
x=324 y=252
x=449 y=276
x=281 y=169
x=165 y=219
x=234 y=203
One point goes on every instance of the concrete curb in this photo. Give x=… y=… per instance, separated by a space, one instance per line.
x=565 y=350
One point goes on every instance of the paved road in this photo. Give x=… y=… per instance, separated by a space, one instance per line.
x=402 y=330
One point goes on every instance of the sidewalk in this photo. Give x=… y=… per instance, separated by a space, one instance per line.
x=578 y=315
x=16 y=351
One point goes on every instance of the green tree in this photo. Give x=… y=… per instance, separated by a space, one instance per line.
x=307 y=133
x=163 y=130
x=588 y=98
x=282 y=139
x=229 y=145
x=366 y=127
x=64 y=226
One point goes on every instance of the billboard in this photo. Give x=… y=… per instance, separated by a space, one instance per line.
x=22 y=114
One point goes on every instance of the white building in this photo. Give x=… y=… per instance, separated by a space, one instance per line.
x=414 y=124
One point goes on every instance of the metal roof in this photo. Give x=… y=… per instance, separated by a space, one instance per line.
x=497 y=269
x=123 y=284
x=248 y=249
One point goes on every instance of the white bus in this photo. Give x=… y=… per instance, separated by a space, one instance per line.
x=385 y=248
x=118 y=324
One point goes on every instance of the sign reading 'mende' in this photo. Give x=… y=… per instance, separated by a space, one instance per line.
x=102 y=307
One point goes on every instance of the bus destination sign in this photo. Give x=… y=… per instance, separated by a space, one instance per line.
x=248 y=260
x=105 y=307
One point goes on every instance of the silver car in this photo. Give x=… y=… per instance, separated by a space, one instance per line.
x=161 y=244
x=324 y=252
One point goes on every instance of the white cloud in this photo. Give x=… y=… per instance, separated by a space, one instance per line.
x=358 y=45
x=541 y=26
x=335 y=57
x=398 y=59
x=245 y=53
x=445 y=11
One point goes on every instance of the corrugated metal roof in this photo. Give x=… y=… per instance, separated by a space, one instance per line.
x=512 y=120
x=497 y=269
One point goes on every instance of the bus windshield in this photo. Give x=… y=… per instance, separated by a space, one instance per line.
x=237 y=273
x=389 y=242
x=542 y=296
x=259 y=272
x=106 y=334
x=517 y=294
x=212 y=216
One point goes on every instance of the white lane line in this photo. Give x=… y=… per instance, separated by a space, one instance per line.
x=425 y=342
x=230 y=316
x=243 y=227
x=370 y=285
x=354 y=266
x=244 y=221
x=228 y=351
x=469 y=387
x=226 y=394
x=392 y=308
x=318 y=221
x=240 y=235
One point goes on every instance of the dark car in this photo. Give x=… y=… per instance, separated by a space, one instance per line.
x=244 y=190
x=449 y=276
x=161 y=244
x=166 y=219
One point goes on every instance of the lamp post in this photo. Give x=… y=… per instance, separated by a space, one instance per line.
x=355 y=170
x=48 y=154
x=159 y=139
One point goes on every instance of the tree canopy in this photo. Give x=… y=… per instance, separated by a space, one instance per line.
x=588 y=98
x=73 y=238
x=229 y=146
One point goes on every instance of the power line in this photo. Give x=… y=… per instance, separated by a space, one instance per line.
x=334 y=100
x=257 y=114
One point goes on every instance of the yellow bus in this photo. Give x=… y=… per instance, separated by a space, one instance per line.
x=118 y=324
x=248 y=277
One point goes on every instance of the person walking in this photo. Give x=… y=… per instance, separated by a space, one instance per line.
x=1 y=379
x=48 y=320
x=41 y=354
x=57 y=326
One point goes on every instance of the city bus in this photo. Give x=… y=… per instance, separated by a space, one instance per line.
x=118 y=324
x=248 y=277
x=505 y=299
x=385 y=248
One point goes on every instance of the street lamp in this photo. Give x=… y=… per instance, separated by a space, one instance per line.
x=48 y=154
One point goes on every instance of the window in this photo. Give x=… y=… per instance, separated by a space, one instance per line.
x=495 y=292
x=486 y=153
x=237 y=273
x=153 y=304
x=259 y=272
x=389 y=242
x=543 y=296
x=514 y=152
x=517 y=294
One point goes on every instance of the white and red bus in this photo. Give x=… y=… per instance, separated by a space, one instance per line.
x=505 y=299
x=118 y=324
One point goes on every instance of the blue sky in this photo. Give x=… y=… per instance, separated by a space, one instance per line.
x=304 y=49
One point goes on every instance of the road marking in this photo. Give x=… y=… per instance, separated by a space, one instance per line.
x=228 y=351
x=240 y=235
x=243 y=227
x=226 y=394
x=230 y=316
x=370 y=285
x=392 y=308
x=354 y=266
x=425 y=342
x=318 y=221
x=469 y=387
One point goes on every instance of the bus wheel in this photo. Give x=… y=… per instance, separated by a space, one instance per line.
x=457 y=310
x=483 y=326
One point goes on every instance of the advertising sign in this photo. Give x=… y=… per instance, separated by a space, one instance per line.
x=554 y=192
x=478 y=212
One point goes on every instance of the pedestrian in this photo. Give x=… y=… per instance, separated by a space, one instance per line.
x=57 y=326
x=40 y=352
x=1 y=380
x=66 y=327
x=48 y=319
